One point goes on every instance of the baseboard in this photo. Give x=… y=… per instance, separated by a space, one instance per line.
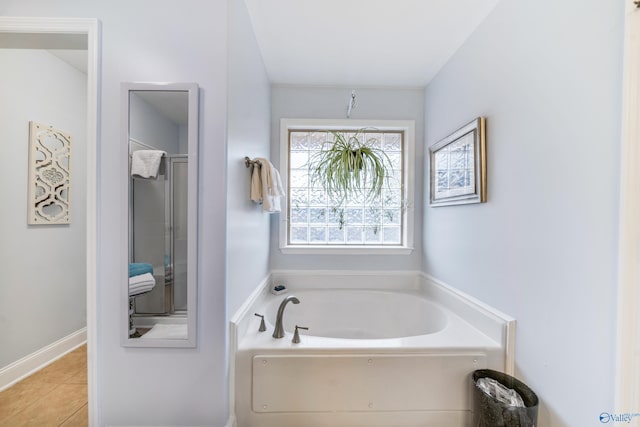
x=26 y=366
x=227 y=425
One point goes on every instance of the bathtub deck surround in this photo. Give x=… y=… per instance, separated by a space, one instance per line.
x=383 y=348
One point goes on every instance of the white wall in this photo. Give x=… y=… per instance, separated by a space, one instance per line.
x=150 y=127
x=331 y=103
x=547 y=75
x=248 y=128
x=43 y=291
x=146 y=41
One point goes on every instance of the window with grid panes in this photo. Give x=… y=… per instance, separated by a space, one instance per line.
x=314 y=220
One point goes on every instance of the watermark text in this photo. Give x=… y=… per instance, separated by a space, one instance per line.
x=622 y=417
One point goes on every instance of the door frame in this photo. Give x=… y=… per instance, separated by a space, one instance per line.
x=90 y=27
x=627 y=386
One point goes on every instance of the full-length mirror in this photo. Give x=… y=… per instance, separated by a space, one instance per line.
x=161 y=130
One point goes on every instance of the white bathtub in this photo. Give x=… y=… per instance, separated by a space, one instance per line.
x=358 y=314
x=371 y=357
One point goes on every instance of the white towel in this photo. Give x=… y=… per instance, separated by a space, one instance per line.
x=140 y=290
x=142 y=286
x=142 y=279
x=271 y=187
x=279 y=191
x=146 y=163
x=141 y=283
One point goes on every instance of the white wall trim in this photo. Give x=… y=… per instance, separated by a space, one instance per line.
x=20 y=369
x=237 y=327
x=90 y=27
x=627 y=388
x=492 y=322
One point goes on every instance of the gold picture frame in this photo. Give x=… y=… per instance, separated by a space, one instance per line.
x=458 y=170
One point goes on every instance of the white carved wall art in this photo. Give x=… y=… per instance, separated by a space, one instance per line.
x=49 y=175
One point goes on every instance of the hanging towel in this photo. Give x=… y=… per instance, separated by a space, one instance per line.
x=278 y=190
x=271 y=187
x=138 y=268
x=146 y=163
x=256 y=184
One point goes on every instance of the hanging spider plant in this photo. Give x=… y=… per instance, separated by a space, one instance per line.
x=350 y=166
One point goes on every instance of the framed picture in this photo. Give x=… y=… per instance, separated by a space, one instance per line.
x=49 y=175
x=458 y=172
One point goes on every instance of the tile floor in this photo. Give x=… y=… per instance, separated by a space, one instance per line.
x=55 y=396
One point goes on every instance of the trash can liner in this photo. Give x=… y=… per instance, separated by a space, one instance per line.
x=495 y=409
x=498 y=391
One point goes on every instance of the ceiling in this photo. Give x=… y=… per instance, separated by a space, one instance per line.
x=71 y=48
x=361 y=42
x=9 y=40
x=78 y=59
x=336 y=42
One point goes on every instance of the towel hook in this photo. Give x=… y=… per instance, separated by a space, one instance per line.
x=248 y=162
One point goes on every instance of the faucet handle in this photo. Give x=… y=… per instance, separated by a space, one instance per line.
x=296 y=335
x=262 y=327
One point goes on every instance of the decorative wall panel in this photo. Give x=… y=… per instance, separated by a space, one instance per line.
x=49 y=175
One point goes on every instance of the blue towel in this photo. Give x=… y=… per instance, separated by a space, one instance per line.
x=138 y=268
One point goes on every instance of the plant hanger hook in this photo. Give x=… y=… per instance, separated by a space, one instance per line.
x=352 y=103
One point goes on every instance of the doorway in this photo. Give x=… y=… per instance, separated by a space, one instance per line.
x=62 y=33
x=627 y=388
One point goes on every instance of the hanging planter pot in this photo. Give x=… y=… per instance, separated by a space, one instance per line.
x=354 y=159
x=350 y=166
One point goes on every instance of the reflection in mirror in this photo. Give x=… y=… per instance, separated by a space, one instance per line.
x=162 y=141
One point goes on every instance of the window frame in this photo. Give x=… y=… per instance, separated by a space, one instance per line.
x=408 y=178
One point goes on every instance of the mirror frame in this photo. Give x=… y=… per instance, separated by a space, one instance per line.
x=192 y=214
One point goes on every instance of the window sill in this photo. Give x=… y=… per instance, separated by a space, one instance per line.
x=350 y=250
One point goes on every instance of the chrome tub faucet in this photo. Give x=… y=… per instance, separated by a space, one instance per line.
x=279 y=329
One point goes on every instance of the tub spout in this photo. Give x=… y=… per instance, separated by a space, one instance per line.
x=279 y=330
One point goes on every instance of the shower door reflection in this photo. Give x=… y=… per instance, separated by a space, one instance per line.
x=178 y=238
x=159 y=235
